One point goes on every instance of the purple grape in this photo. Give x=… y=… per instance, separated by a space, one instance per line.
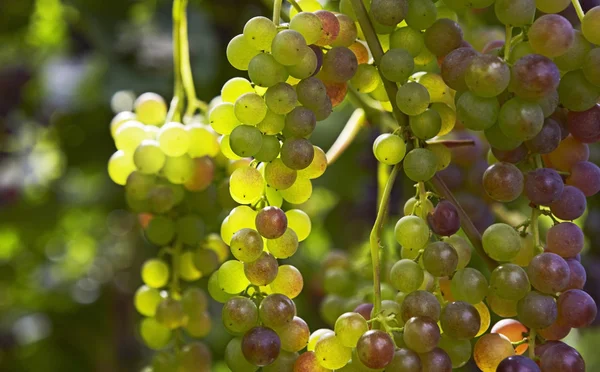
x=503 y=182
x=517 y=363
x=543 y=186
x=565 y=239
x=576 y=308
x=319 y=54
x=375 y=349
x=548 y=273
x=570 y=205
x=585 y=176
x=547 y=140
x=585 y=125
x=537 y=310
x=511 y=156
x=455 y=66
x=261 y=346
x=562 y=358
x=577 y=274
x=534 y=76
x=436 y=360
x=444 y=219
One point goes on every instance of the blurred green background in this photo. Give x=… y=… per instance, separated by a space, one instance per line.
x=69 y=251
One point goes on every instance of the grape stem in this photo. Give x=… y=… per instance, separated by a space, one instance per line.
x=374 y=238
x=453 y=143
x=578 y=9
x=357 y=120
x=508 y=41
x=277 y=11
x=174 y=113
x=532 y=343
x=295 y=5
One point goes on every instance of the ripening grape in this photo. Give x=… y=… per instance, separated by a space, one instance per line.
x=239 y=314
x=509 y=282
x=576 y=308
x=516 y=13
x=279 y=176
x=460 y=320
x=294 y=336
x=246 y=245
x=261 y=346
x=477 y=113
x=576 y=92
x=169 y=313
x=459 y=352
x=443 y=36
x=331 y=353
x=514 y=330
x=246 y=185
x=300 y=122
x=308 y=25
x=548 y=273
x=426 y=125
x=584 y=126
x=444 y=219
x=551 y=35
x=503 y=182
x=375 y=349
x=330 y=27
x=348 y=31
x=420 y=304
x=491 y=349
x=440 y=259
x=420 y=165
x=406 y=276
x=265 y=71
x=339 y=65
x=272 y=123
x=288 y=281
x=389 y=148
x=421 y=334
x=501 y=242
x=537 y=310
x=389 y=12
x=586 y=177
x=487 y=75
x=546 y=79
x=469 y=285
x=263 y=270
x=297 y=153
x=366 y=78
x=412 y=98
x=285 y=246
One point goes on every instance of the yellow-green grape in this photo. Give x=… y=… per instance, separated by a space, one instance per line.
x=250 y=108
x=154 y=334
x=366 y=78
x=155 y=273
x=160 y=230
x=406 y=276
x=198 y=324
x=349 y=327
x=552 y=6
x=234 y=357
x=120 y=119
x=194 y=300
x=146 y=300
x=436 y=86
x=259 y=32
x=272 y=123
x=527 y=251
x=240 y=52
x=299 y=192
x=484 y=315
x=222 y=118
x=412 y=232
x=288 y=281
x=331 y=353
x=273 y=197
x=442 y=153
x=300 y=222
x=397 y=65
x=240 y=217
x=173 y=139
x=179 y=169
x=215 y=290
x=287 y=47
x=170 y=313
x=129 y=135
x=246 y=245
x=421 y=209
x=246 y=185
x=232 y=278
x=279 y=176
x=316 y=336
x=214 y=242
x=203 y=141
x=234 y=88
x=308 y=25
x=265 y=71
x=426 y=125
x=590 y=25
x=306 y=66
x=389 y=149
x=408 y=38
x=285 y=246
x=448 y=116
x=306 y=6
x=120 y=166
x=317 y=167
x=187 y=269
x=420 y=165
x=226 y=149
x=412 y=98
x=501 y=242
x=148 y=157
x=151 y=109
x=463 y=249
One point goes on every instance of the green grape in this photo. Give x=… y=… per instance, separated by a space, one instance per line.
x=412 y=232
x=420 y=209
x=246 y=185
x=160 y=230
x=516 y=13
x=443 y=36
x=487 y=75
x=239 y=314
x=288 y=281
x=154 y=334
x=412 y=98
x=234 y=88
x=155 y=273
x=527 y=251
x=187 y=268
x=194 y=300
x=520 y=50
x=265 y=71
x=520 y=120
x=349 y=327
x=234 y=357
x=509 y=282
x=300 y=122
x=245 y=140
x=426 y=125
x=440 y=259
x=299 y=192
x=338 y=281
x=469 y=285
x=499 y=140
x=148 y=157
x=331 y=353
x=459 y=351
x=300 y=222
x=279 y=176
x=173 y=139
x=421 y=14
x=315 y=337
x=259 y=32
x=146 y=300
x=477 y=113
x=164 y=362
x=389 y=12
x=306 y=66
x=214 y=243
x=420 y=165
x=285 y=246
x=240 y=52
x=590 y=25
x=250 y=108
x=552 y=6
x=226 y=149
x=170 y=313
x=239 y=218
x=501 y=242
x=397 y=65
x=297 y=153
x=575 y=56
x=151 y=132
x=287 y=47
x=129 y=135
x=231 y=277
x=178 y=170
x=366 y=78
x=139 y=185
x=406 y=276
x=591 y=67
x=442 y=153
x=151 y=109
x=190 y=229
x=263 y=270
x=549 y=103
x=316 y=167
x=215 y=290
x=409 y=39
x=308 y=25
x=348 y=31
x=389 y=149
x=576 y=92
x=222 y=118
x=120 y=119
x=537 y=310
x=269 y=149
x=281 y=98
x=272 y=123
x=198 y=324
x=246 y=245
x=462 y=247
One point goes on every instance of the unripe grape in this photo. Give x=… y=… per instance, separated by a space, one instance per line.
x=389 y=149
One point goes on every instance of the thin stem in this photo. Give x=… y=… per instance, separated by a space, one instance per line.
x=295 y=5
x=374 y=238
x=507 y=43
x=535 y=231
x=532 y=343
x=383 y=175
x=357 y=120
x=178 y=94
x=377 y=52
x=465 y=222
x=453 y=143
x=277 y=11
x=578 y=9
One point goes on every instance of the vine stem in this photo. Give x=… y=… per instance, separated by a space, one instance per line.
x=453 y=143
x=357 y=120
x=374 y=238
x=174 y=113
x=277 y=11
x=295 y=5
x=578 y=9
x=531 y=348
x=507 y=43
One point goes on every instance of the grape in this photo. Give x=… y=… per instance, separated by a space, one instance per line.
x=294 y=336
x=568 y=153
x=215 y=290
x=420 y=304
x=375 y=349
x=235 y=359
x=245 y=140
x=187 y=269
x=317 y=167
x=269 y=149
x=259 y=32
x=311 y=90
x=455 y=66
x=577 y=275
x=178 y=170
x=576 y=92
x=549 y=273
x=271 y=222
x=389 y=149
x=561 y=357
x=250 y=108
x=551 y=35
x=349 y=328
x=406 y=276
x=272 y=123
x=155 y=273
x=549 y=103
x=148 y=157
x=436 y=360
x=405 y=360
x=547 y=140
x=570 y=205
x=501 y=242
x=585 y=126
x=586 y=177
x=537 y=310
x=336 y=92
x=516 y=13
x=509 y=282
x=348 y=31
x=240 y=52
x=360 y=51
x=266 y=72
x=151 y=109
x=440 y=259
x=366 y=78
x=246 y=185
x=407 y=38
x=503 y=144
x=297 y=153
x=503 y=182
x=426 y=125
x=421 y=14
x=396 y=65
x=160 y=230
x=307 y=65
x=576 y=309
x=287 y=47
x=412 y=232
x=590 y=66
x=246 y=245
x=239 y=314
x=420 y=165
x=412 y=98
x=517 y=363
x=487 y=75
x=281 y=98
x=444 y=219
x=514 y=330
x=331 y=353
x=195 y=357
x=421 y=209
x=222 y=118
x=261 y=346
x=169 y=313
x=534 y=76
x=154 y=334
x=308 y=25
x=589 y=25
x=389 y=12
x=120 y=119
x=231 y=277
x=129 y=135
x=299 y=192
x=460 y=320
x=491 y=349
x=330 y=29
x=146 y=300
x=469 y=285
x=339 y=65
x=521 y=120
x=554 y=332
x=552 y=6
x=307 y=362
x=477 y=113
x=458 y=351
x=261 y=271
x=279 y=176
x=443 y=37
x=234 y=88
x=139 y=185
x=575 y=57
x=421 y=334
x=543 y=186
x=284 y=246
x=300 y=122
